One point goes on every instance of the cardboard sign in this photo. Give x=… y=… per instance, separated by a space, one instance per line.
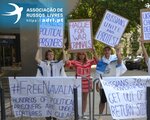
x=111 y=29
x=80 y=35
x=45 y=96
x=145 y=23
x=51 y=34
x=126 y=96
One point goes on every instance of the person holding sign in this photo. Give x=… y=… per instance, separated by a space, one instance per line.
x=147 y=59
x=108 y=65
x=83 y=70
x=49 y=67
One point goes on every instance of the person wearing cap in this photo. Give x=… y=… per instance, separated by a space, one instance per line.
x=49 y=67
x=109 y=65
x=83 y=69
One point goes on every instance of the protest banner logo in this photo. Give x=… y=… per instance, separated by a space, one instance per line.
x=18 y=10
x=111 y=28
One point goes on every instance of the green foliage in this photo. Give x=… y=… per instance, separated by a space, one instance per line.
x=134 y=41
x=95 y=9
x=125 y=42
x=147 y=46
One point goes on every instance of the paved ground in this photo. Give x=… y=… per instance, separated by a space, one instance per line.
x=129 y=73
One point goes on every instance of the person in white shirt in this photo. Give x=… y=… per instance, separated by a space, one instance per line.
x=108 y=66
x=49 y=67
x=147 y=58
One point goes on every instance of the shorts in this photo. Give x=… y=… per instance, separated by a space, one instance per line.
x=102 y=96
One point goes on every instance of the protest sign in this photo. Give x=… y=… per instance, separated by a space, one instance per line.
x=126 y=96
x=111 y=29
x=51 y=34
x=145 y=23
x=80 y=34
x=44 y=96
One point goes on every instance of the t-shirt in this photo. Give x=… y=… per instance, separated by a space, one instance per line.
x=51 y=68
x=82 y=70
x=110 y=67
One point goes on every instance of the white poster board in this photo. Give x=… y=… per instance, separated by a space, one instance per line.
x=80 y=34
x=51 y=34
x=126 y=96
x=111 y=29
x=45 y=96
x=145 y=23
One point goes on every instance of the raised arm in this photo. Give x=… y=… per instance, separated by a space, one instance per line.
x=64 y=55
x=144 y=50
x=38 y=56
x=118 y=53
x=95 y=54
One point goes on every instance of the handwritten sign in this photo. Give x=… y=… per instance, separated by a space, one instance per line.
x=80 y=34
x=126 y=96
x=111 y=28
x=44 y=96
x=51 y=34
x=145 y=23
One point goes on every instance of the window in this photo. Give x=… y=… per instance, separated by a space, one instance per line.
x=9 y=50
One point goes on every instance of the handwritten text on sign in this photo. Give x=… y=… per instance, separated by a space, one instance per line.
x=41 y=97
x=126 y=96
x=51 y=34
x=111 y=29
x=146 y=25
x=80 y=34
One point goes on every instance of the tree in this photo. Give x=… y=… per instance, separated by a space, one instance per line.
x=134 y=41
x=95 y=10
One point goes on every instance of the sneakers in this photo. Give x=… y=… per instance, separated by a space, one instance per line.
x=85 y=118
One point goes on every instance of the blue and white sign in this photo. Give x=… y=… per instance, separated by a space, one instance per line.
x=145 y=17
x=27 y=14
x=111 y=29
x=45 y=96
x=51 y=33
x=126 y=96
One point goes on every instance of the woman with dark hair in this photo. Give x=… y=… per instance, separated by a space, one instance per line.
x=83 y=70
x=49 y=67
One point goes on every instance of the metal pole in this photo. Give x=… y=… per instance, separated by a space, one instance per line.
x=3 y=113
x=93 y=112
x=148 y=102
x=90 y=117
x=93 y=99
x=75 y=103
